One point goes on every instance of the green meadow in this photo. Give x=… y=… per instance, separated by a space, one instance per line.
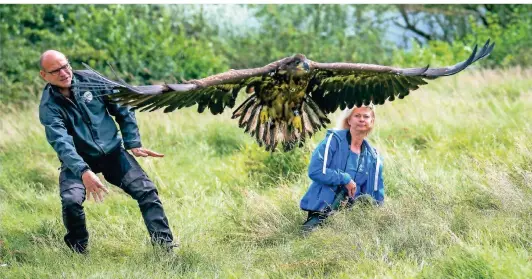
x=458 y=175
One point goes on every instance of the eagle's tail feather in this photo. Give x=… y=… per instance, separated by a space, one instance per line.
x=246 y=113
x=240 y=109
x=323 y=120
x=267 y=134
x=251 y=125
x=314 y=120
x=259 y=135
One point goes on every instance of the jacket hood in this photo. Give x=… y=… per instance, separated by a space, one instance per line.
x=344 y=135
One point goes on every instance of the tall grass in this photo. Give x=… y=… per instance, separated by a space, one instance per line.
x=458 y=175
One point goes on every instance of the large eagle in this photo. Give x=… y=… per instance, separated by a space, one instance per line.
x=288 y=99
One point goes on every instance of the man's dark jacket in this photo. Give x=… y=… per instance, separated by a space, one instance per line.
x=80 y=128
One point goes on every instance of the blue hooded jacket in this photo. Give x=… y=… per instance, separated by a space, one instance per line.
x=327 y=169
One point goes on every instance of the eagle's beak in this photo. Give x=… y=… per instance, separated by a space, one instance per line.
x=304 y=67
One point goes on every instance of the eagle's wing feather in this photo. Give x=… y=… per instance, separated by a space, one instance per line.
x=334 y=85
x=214 y=92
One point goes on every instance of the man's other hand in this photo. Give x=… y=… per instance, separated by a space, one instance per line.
x=93 y=186
x=143 y=152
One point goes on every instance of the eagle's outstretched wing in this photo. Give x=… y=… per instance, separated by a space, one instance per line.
x=291 y=96
x=214 y=92
x=334 y=85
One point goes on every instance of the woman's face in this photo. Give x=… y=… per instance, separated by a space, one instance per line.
x=361 y=120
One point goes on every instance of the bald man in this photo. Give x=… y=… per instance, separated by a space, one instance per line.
x=80 y=128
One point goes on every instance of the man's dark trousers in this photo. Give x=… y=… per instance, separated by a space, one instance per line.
x=120 y=169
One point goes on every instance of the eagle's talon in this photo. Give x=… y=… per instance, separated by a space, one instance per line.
x=296 y=123
x=263 y=115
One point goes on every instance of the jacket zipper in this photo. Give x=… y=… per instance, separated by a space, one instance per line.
x=88 y=122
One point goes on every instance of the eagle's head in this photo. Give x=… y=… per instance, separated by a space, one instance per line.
x=297 y=66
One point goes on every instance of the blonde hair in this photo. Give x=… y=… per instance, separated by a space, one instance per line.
x=344 y=116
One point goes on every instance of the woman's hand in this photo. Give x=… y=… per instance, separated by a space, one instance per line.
x=351 y=188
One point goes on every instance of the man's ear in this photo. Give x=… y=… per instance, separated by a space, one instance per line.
x=42 y=74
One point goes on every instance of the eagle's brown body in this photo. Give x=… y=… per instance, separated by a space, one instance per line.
x=278 y=111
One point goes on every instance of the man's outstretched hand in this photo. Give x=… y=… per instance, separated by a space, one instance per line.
x=93 y=186
x=143 y=152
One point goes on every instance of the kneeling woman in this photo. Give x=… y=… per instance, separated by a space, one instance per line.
x=343 y=167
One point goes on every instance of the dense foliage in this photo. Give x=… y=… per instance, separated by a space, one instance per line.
x=152 y=43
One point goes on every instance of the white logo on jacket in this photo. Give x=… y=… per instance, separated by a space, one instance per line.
x=87 y=96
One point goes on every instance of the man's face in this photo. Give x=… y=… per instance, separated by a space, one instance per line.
x=56 y=70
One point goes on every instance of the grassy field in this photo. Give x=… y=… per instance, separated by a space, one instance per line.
x=458 y=172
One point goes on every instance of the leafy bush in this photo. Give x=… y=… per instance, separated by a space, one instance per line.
x=144 y=43
x=513 y=44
